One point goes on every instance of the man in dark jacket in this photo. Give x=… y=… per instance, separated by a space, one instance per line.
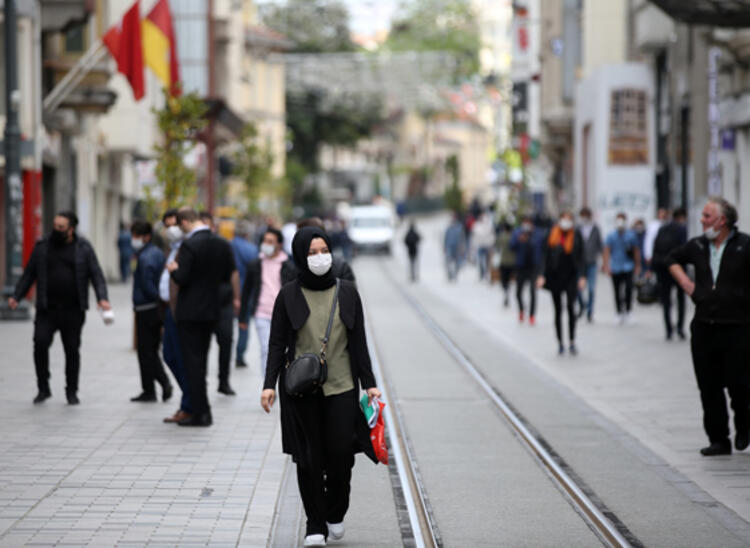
x=148 y=321
x=720 y=331
x=62 y=265
x=592 y=248
x=204 y=264
x=411 y=240
x=669 y=237
x=527 y=243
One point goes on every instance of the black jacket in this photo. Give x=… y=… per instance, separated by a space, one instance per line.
x=87 y=270
x=206 y=265
x=670 y=237
x=727 y=301
x=290 y=312
x=253 y=280
x=561 y=270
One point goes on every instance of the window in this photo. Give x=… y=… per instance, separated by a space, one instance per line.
x=628 y=127
x=74 y=39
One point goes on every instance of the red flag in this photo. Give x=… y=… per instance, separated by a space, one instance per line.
x=124 y=43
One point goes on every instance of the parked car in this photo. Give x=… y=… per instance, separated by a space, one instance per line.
x=372 y=228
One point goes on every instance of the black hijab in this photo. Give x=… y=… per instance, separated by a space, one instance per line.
x=300 y=249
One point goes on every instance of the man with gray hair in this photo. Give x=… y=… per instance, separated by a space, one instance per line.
x=720 y=330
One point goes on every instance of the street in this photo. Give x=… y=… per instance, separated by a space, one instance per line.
x=624 y=416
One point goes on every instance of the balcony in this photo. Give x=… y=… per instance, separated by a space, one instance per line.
x=59 y=14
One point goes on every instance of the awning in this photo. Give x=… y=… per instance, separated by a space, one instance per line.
x=718 y=13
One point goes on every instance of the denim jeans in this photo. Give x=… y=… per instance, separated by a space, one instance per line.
x=590 y=272
x=173 y=358
x=243 y=339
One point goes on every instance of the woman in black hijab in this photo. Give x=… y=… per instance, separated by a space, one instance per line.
x=323 y=430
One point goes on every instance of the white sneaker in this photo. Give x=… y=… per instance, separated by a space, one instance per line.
x=315 y=540
x=621 y=318
x=628 y=319
x=336 y=530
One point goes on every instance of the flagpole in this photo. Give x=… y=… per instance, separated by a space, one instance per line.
x=73 y=77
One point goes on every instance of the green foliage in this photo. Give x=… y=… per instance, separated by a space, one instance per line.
x=252 y=164
x=314 y=26
x=439 y=25
x=179 y=122
x=453 y=197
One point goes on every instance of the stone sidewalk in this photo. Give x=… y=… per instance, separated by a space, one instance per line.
x=629 y=374
x=109 y=472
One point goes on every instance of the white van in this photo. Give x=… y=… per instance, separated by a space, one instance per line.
x=372 y=228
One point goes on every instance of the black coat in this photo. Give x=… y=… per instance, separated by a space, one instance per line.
x=561 y=270
x=290 y=312
x=253 y=280
x=87 y=270
x=206 y=265
x=727 y=301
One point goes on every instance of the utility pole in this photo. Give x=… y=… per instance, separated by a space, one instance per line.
x=13 y=194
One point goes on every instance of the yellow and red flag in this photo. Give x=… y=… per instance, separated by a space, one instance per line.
x=160 y=46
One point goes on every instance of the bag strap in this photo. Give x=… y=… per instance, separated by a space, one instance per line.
x=330 y=320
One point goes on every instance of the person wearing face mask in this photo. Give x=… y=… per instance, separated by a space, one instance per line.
x=527 y=243
x=324 y=429
x=720 y=330
x=148 y=324
x=171 y=343
x=265 y=276
x=670 y=236
x=622 y=260
x=62 y=265
x=563 y=274
x=244 y=252
x=592 y=248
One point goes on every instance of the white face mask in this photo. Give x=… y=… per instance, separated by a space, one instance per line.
x=320 y=263
x=268 y=249
x=620 y=223
x=566 y=224
x=174 y=234
x=137 y=243
x=711 y=233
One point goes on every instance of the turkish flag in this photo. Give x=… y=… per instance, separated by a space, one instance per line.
x=124 y=43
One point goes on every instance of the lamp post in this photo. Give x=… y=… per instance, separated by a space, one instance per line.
x=13 y=194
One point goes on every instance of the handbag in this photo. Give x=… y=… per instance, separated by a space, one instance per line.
x=374 y=415
x=309 y=371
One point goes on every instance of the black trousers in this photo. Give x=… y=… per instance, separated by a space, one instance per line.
x=523 y=277
x=571 y=295
x=623 y=286
x=506 y=274
x=148 y=333
x=413 y=268
x=223 y=331
x=720 y=360
x=195 y=340
x=69 y=323
x=324 y=477
x=666 y=284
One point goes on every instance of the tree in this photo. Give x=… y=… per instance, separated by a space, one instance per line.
x=179 y=121
x=439 y=25
x=453 y=197
x=314 y=26
x=252 y=164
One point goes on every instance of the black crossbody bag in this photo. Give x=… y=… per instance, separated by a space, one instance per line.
x=309 y=371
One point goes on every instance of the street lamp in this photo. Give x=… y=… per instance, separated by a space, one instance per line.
x=13 y=194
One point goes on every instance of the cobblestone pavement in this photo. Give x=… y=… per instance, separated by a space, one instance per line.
x=630 y=374
x=109 y=472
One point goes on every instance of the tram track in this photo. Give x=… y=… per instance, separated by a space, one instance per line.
x=604 y=523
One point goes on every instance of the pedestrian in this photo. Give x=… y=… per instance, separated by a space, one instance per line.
x=171 y=343
x=63 y=265
x=125 y=251
x=483 y=237
x=341 y=268
x=527 y=242
x=652 y=231
x=592 y=248
x=719 y=332
x=322 y=430
x=148 y=324
x=507 y=260
x=266 y=274
x=244 y=252
x=670 y=236
x=622 y=259
x=454 y=247
x=411 y=240
x=202 y=269
x=639 y=228
x=564 y=274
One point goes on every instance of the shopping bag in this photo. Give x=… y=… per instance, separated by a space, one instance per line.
x=374 y=415
x=647 y=291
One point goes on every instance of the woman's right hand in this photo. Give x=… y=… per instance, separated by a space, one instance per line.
x=267 y=398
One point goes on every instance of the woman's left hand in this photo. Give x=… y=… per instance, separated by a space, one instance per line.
x=373 y=393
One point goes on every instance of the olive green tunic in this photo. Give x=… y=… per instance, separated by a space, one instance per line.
x=310 y=337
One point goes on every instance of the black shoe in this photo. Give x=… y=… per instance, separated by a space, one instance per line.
x=714 y=449
x=561 y=349
x=166 y=392
x=197 y=420
x=42 y=395
x=143 y=397
x=573 y=350
x=681 y=334
x=72 y=398
x=742 y=440
x=668 y=336
x=240 y=363
x=225 y=389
